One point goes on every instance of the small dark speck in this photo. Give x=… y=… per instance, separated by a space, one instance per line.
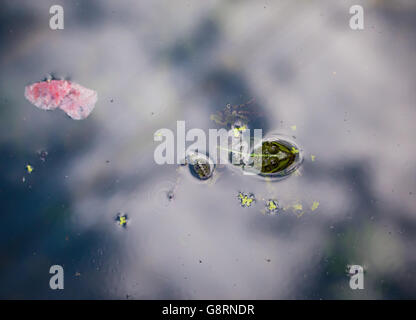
x=107 y=161
x=170 y=195
x=200 y=261
x=268 y=260
x=111 y=100
x=410 y=193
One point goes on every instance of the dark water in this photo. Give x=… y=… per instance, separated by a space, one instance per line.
x=350 y=95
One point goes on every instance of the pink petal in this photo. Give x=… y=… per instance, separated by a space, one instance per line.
x=74 y=99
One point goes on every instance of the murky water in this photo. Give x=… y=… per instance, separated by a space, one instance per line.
x=122 y=226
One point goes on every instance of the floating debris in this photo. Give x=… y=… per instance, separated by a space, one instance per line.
x=293 y=127
x=246 y=200
x=313 y=157
x=29 y=168
x=238 y=154
x=315 y=205
x=121 y=220
x=162 y=195
x=200 y=165
x=76 y=100
x=170 y=195
x=275 y=157
x=272 y=207
x=243 y=113
x=297 y=207
x=238 y=128
x=42 y=155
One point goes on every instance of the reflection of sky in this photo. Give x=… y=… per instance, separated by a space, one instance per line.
x=350 y=94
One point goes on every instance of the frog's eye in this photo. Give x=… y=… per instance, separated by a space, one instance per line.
x=275 y=157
